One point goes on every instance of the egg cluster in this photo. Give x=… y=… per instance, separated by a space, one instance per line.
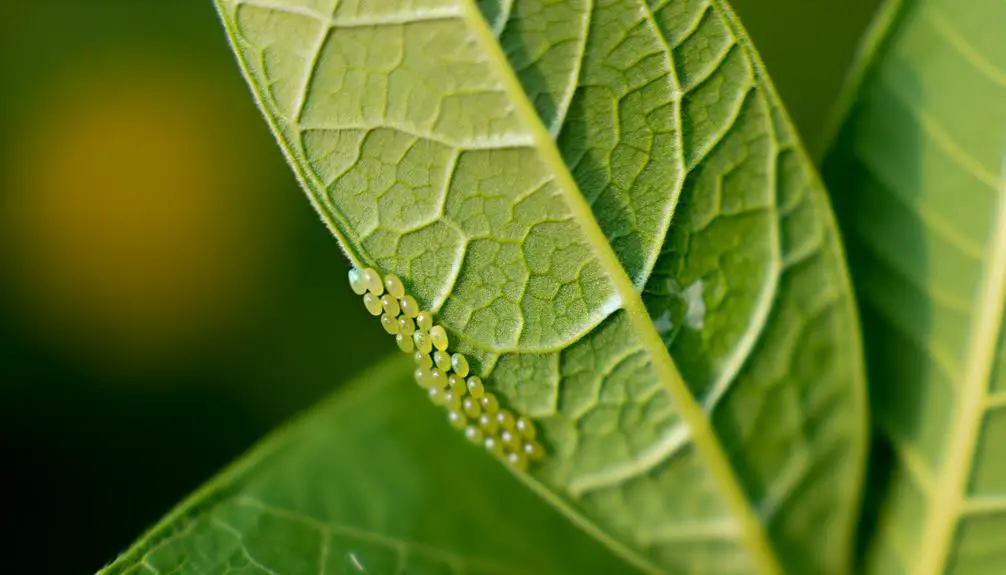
x=445 y=375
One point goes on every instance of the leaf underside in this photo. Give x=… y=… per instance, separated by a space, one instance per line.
x=519 y=164
x=917 y=176
x=345 y=490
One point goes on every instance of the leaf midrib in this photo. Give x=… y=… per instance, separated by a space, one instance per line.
x=983 y=343
x=753 y=534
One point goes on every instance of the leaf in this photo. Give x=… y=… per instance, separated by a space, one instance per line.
x=365 y=482
x=917 y=173
x=518 y=164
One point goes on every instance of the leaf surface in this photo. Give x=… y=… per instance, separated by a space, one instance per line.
x=608 y=209
x=370 y=481
x=917 y=174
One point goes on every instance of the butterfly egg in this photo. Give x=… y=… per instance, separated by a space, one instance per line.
x=373 y=281
x=389 y=323
x=517 y=460
x=425 y=321
x=390 y=306
x=460 y=364
x=475 y=387
x=422 y=341
x=423 y=360
x=422 y=375
x=456 y=384
x=406 y=326
x=439 y=337
x=489 y=403
x=372 y=303
x=533 y=450
x=525 y=428
x=474 y=434
x=436 y=396
x=409 y=306
x=471 y=407
x=452 y=400
x=357 y=282
x=394 y=286
x=493 y=446
x=505 y=419
x=510 y=440
x=438 y=379
x=442 y=360
x=404 y=343
x=488 y=424
x=457 y=419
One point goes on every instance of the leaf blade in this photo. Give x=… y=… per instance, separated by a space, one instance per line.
x=311 y=496
x=511 y=335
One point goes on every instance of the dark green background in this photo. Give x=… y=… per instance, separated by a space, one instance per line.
x=141 y=347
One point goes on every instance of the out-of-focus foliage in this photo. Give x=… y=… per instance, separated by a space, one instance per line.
x=165 y=290
x=917 y=175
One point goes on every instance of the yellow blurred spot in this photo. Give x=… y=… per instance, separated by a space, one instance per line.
x=134 y=214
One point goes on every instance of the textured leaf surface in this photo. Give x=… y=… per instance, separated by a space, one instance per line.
x=365 y=483
x=918 y=172
x=519 y=164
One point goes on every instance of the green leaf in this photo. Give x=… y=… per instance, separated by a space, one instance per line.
x=370 y=481
x=519 y=164
x=917 y=173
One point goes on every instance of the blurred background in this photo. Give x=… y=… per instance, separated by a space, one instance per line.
x=167 y=295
